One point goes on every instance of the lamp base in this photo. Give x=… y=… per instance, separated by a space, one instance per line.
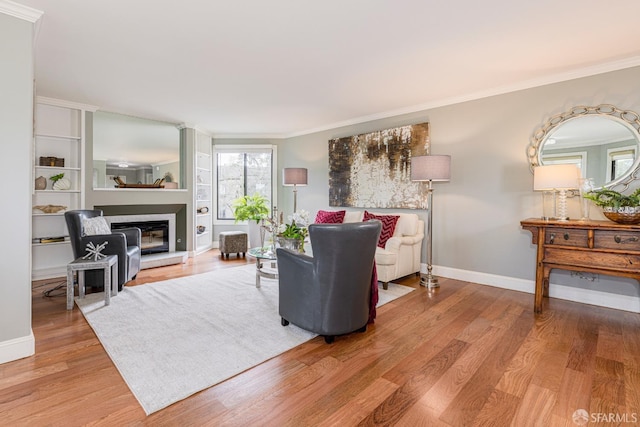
x=429 y=281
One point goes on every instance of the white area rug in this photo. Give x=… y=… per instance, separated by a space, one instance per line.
x=174 y=338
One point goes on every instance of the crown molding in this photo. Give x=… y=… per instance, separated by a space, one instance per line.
x=66 y=104
x=20 y=11
x=250 y=135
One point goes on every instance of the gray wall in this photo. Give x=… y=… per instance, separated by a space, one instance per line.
x=476 y=218
x=16 y=134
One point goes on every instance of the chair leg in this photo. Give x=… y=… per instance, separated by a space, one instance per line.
x=284 y=322
x=329 y=339
x=385 y=285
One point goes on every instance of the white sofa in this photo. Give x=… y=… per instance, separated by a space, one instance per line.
x=401 y=254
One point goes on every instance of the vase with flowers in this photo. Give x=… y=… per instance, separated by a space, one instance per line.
x=292 y=234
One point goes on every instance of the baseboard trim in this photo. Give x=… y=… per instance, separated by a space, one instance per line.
x=17 y=348
x=584 y=296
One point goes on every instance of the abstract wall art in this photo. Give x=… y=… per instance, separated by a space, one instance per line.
x=372 y=170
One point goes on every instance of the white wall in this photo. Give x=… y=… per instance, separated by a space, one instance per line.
x=477 y=234
x=16 y=134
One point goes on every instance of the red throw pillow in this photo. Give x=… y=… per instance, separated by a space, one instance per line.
x=330 y=217
x=388 y=226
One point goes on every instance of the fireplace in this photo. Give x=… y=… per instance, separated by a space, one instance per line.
x=158 y=230
x=155 y=235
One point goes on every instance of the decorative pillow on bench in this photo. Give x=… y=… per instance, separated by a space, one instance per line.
x=330 y=217
x=388 y=226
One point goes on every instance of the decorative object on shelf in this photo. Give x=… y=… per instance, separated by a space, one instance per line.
x=585 y=186
x=60 y=182
x=168 y=177
x=430 y=168
x=41 y=183
x=51 y=161
x=203 y=210
x=294 y=177
x=121 y=184
x=49 y=209
x=201 y=229
x=95 y=251
x=56 y=239
x=558 y=178
x=620 y=208
x=370 y=170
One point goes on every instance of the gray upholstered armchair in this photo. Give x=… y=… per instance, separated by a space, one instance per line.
x=125 y=243
x=329 y=293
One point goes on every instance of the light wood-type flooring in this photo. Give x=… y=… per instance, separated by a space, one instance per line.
x=462 y=355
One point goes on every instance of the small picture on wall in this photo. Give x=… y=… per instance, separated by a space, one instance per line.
x=373 y=170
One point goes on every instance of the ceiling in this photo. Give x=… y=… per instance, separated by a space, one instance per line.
x=282 y=68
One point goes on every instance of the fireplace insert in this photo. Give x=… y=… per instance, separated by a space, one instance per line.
x=155 y=235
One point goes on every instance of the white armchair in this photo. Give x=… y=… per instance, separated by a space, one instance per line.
x=401 y=254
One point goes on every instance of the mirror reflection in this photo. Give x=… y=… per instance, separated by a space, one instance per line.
x=604 y=148
x=132 y=150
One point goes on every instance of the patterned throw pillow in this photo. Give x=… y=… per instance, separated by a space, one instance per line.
x=388 y=226
x=330 y=217
x=95 y=226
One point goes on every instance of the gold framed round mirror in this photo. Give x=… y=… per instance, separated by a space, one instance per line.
x=603 y=141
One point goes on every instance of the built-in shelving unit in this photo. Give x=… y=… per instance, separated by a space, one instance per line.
x=59 y=142
x=203 y=223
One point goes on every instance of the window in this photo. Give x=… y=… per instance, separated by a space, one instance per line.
x=241 y=171
x=619 y=161
x=578 y=158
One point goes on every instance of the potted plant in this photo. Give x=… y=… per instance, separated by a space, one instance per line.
x=618 y=207
x=252 y=209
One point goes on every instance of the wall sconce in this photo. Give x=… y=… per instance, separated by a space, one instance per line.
x=551 y=179
x=430 y=169
x=294 y=177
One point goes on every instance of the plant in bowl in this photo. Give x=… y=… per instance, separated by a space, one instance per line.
x=618 y=207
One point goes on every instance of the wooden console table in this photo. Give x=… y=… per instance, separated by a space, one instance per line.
x=603 y=247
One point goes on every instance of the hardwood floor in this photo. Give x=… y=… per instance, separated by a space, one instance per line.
x=462 y=355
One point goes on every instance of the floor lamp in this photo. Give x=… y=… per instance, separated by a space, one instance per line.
x=430 y=169
x=295 y=177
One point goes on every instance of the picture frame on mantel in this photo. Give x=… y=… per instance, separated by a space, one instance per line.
x=372 y=170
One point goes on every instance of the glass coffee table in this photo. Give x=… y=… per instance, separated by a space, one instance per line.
x=262 y=256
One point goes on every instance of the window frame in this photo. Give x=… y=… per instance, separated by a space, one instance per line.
x=243 y=148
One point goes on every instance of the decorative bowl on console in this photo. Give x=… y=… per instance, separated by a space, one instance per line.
x=626 y=215
x=618 y=207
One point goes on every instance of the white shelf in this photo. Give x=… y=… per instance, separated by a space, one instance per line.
x=59 y=133
x=66 y=242
x=64 y=168
x=43 y=135
x=57 y=191
x=48 y=214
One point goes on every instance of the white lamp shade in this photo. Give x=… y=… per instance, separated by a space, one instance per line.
x=431 y=168
x=294 y=176
x=555 y=177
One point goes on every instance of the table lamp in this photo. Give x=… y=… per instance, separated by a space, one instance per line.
x=556 y=178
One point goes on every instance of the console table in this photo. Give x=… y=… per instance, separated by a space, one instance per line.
x=603 y=247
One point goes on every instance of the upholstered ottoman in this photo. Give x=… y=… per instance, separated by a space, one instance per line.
x=232 y=242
